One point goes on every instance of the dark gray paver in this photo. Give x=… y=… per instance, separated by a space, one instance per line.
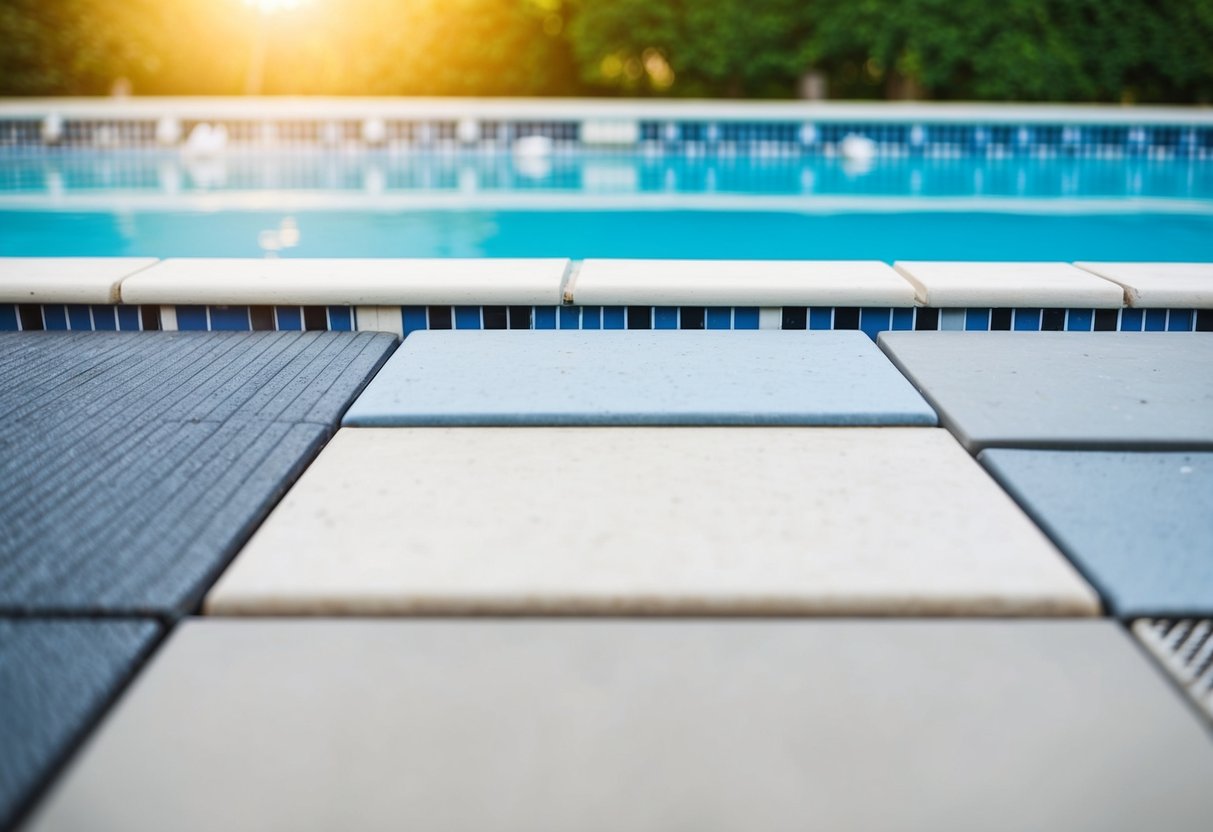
x=1139 y=525
x=479 y=377
x=1092 y=390
x=132 y=465
x=55 y=677
x=643 y=725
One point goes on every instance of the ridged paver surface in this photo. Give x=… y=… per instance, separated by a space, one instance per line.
x=133 y=465
x=55 y=678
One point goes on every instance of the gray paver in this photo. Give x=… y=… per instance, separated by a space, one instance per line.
x=1139 y=525
x=638 y=378
x=1091 y=390
x=132 y=465
x=55 y=676
x=658 y=725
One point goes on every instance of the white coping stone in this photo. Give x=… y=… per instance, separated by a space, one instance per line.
x=1001 y=285
x=740 y=283
x=829 y=521
x=354 y=282
x=646 y=726
x=66 y=279
x=1160 y=285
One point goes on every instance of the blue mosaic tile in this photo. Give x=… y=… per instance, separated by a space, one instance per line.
x=638 y=377
x=341 y=318
x=8 y=317
x=1080 y=320
x=192 y=318
x=665 y=317
x=745 y=317
x=55 y=316
x=545 y=317
x=977 y=319
x=79 y=317
x=413 y=319
x=716 y=317
x=821 y=318
x=1156 y=320
x=1131 y=320
x=104 y=319
x=569 y=317
x=128 y=318
x=227 y=319
x=591 y=317
x=1138 y=525
x=467 y=317
x=1027 y=320
x=288 y=318
x=613 y=317
x=1179 y=320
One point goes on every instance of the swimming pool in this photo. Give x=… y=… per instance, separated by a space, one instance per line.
x=379 y=203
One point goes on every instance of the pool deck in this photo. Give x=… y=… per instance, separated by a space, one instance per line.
x=537 y=580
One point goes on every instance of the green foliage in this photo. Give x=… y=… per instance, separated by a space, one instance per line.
x=1045 y=50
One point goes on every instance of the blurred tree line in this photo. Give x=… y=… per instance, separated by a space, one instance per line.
x=1046 y=50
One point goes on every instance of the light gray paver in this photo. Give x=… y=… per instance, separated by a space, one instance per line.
x=657 y=725
x=650 y=521
x=1138 y=525
x=638 y=378
x=1089 y=390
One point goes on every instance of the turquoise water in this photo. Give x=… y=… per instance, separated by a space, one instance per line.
x=327 y=205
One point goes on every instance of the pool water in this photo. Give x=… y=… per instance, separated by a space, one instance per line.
x=316 y=204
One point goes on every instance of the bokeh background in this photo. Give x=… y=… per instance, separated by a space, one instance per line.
x=1033 y=50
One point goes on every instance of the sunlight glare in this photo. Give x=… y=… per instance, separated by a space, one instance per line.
x=270 y=6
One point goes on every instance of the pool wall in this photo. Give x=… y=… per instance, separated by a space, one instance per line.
x=403 y=296
x=685 y=127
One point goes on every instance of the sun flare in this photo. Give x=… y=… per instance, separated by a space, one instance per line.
x=270 y=6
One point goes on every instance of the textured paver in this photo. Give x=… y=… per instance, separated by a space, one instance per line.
x=55 y=678
x=959 y=284
x=134 y=464
x=740 y=283
x=1094 y=390
x=649 y=520
x=1138 y=525
x=66 y=279
x=607 y=725
x=359 y=282
x=638 y=378
x=1175 y=285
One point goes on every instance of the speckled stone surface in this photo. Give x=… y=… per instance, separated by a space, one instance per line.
x=655 y=725
x=132 y=465
x=638 y=378
x=1139 y=525
x=648 y=521
x=1160 y=285
x=55 y=678
x=1090 y=390
x=981 y=284
x=66 y=279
